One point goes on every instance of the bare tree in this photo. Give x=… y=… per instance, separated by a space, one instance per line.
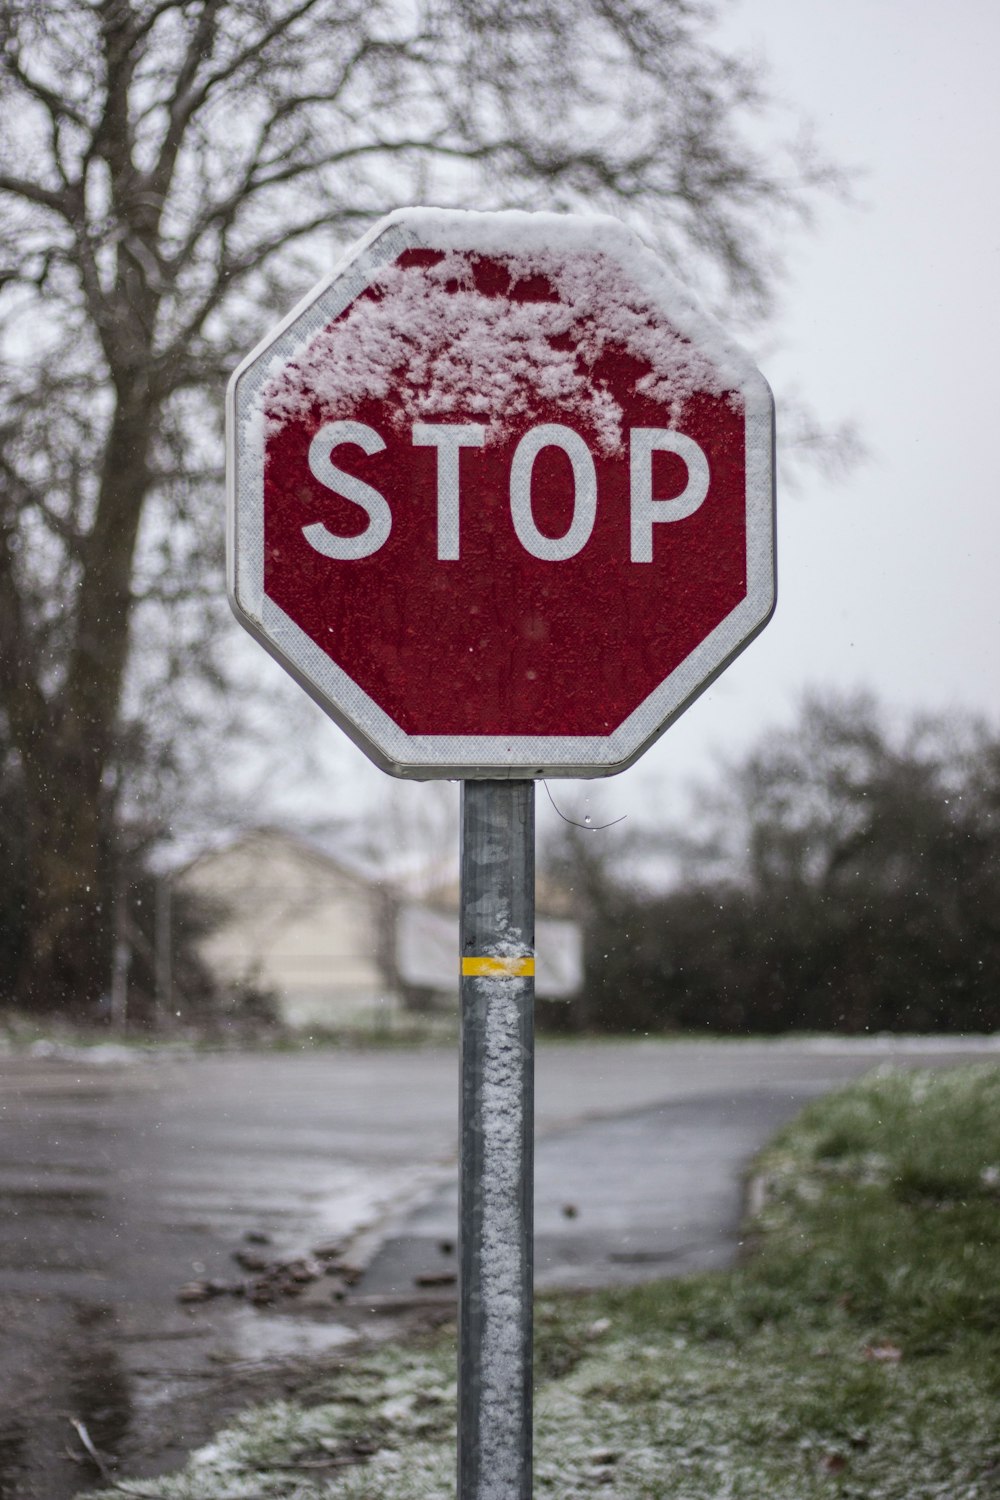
x=170 y=170
x=845 y=876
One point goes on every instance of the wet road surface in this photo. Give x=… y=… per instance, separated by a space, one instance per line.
x=120 y=1182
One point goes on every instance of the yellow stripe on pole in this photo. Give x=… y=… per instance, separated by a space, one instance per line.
x=522 y=967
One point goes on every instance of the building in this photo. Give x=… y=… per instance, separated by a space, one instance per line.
x=335 y=947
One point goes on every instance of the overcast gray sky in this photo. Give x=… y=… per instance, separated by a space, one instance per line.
x=889 y=580
x=892 y=316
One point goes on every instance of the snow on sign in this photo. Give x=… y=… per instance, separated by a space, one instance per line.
x=501 y=496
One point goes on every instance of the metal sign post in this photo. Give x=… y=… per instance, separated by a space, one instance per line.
x=497 y=1132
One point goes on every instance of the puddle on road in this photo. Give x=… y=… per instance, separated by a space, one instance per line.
x=12 y=1461
x=262 y=1337
x=40 y=1453
x=98 y=1386
x=63 y=1203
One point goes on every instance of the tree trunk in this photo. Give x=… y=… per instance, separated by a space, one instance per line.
x=65 y=962
x=66 y=957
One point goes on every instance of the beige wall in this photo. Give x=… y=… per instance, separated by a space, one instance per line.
x=294 y=924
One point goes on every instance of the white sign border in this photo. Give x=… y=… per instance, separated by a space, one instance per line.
x=427 y=757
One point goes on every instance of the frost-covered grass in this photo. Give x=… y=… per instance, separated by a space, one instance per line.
x=855 y=1355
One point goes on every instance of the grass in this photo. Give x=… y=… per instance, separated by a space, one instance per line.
x=855 y=1354
x=50 y=1037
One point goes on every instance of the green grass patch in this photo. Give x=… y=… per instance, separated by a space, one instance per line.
x=856 y=1353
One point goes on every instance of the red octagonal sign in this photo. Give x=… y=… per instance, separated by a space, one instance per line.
x=501 y=496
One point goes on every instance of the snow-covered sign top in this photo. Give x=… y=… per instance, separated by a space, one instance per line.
x=501 y=495
x=561 y=291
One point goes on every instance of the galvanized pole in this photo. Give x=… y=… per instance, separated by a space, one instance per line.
x=497 y=1138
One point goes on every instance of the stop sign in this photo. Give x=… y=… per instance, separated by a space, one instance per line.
x=501 y=496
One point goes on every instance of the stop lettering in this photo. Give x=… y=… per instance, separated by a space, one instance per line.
x=449 y=439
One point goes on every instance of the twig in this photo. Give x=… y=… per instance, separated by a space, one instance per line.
x=85 y=1439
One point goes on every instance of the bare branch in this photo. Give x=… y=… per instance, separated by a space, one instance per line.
x=184 y=103
x=56 y=104
x=173 y=367
x=33 y=192
x=188 y=98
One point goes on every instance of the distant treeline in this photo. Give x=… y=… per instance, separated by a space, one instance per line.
x=843 y=875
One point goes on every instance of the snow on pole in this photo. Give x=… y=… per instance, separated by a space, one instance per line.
x=496 y=1129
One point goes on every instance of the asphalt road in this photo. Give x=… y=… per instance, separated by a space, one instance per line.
x=121 y=1181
